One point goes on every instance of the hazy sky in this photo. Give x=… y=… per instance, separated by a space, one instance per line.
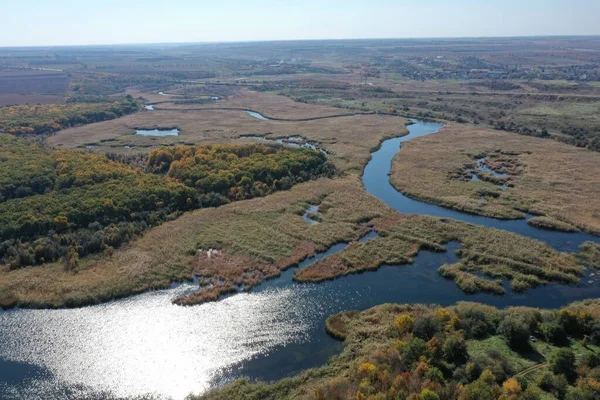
x=60 y=22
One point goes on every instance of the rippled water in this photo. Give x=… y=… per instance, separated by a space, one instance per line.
x=145 y=345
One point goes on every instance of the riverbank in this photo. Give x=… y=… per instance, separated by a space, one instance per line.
x=463 y=350
x=244 y=254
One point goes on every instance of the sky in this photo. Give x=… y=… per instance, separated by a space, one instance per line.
x=80 y=22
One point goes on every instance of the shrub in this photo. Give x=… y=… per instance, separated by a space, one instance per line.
x=404 y=323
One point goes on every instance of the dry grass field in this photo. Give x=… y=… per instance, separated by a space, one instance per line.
x=553 y=179
x=349 y=139
x=270 y=104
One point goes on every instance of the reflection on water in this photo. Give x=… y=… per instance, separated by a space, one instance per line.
x=257 y=115
x=310 y=211
x=157 y=132
x=146 y=345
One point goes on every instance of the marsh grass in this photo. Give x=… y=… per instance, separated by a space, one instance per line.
x=551 y=224
x=591 y=254
x=349 y=138
x=497 y=254
x=553 y=180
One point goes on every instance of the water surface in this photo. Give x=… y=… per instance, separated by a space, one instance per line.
x=157 y=132
x=257 y=115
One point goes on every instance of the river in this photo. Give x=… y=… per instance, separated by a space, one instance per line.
x=144 y=345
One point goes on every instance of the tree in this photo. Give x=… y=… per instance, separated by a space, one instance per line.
x=426 y=327
x=554 y=333
x=455 y=349
x=531 y=393
x=404 y=323
x=413 y=349
x=511 y=387
x=579 y=393
x=478 y=390
x=427 y=394
x=562 y=361
x=516 y=332
x=545 y=134
x=72 y=259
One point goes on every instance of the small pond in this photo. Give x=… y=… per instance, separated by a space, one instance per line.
x=257 y=115
x=157 y=132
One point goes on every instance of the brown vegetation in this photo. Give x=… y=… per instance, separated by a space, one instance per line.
x=272 y=105
x=359 y=257
x=554 y=180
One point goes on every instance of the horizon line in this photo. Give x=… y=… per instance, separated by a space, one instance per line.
x=299 y=40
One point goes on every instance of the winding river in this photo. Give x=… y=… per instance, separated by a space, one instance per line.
x=145 y=345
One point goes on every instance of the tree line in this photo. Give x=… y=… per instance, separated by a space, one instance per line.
x=57 y=203
x=48 y=118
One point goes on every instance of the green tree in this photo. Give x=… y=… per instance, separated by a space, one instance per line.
x=562 y=361
x=455 y=349
x=554 y=333
x=531 y=393
x=516 y=332
x=427 y=394
x=478 y=390
x=413 y=349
